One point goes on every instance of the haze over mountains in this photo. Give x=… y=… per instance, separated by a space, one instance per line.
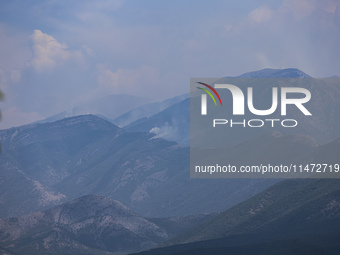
x=147 y=110
x=45 y=164
x=173 y=123
x=292 y=217
x=48 y=170
x=302 y=201
x=323 y=124
x=170 y=119
x=275 y=73
x=109 y=107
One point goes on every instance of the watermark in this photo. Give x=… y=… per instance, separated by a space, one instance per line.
x=238 y=126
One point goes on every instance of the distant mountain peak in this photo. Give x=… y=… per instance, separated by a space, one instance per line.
x=87 y=118
x=83 y=117
x=110 y=106
x=275 y=73
x=79 y=131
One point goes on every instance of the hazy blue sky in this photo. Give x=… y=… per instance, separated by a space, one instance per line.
x=58 y=54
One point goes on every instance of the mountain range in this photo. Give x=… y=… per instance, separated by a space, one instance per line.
x=147 y=110
x=109 y=107
x=173 y=123
x=275 y=73
x=298 y=216
x=46 y=164
x=61 y=180
x=88 y=225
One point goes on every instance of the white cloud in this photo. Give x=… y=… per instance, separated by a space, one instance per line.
x=292 y=8
x=299 y=9
x=48 y=53
x=304 y=8
x=261 y=15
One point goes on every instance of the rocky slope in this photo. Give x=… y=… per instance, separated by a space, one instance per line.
x=83 y=226
x=292 y=217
